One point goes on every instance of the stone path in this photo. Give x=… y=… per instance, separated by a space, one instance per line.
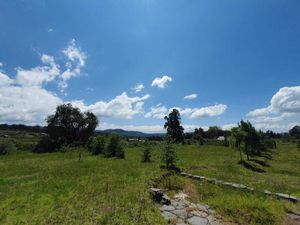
x=240 y=186
x=180 y=211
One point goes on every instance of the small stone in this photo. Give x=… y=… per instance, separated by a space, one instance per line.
x=210 y=218
x=202 y=207
x=167 y=215
x=167 y=208
x=199 y=213
x=195 y=220
x=183 y=174
x=267 y=192
x=180 y=213
x=287 y=197
x=166 y=200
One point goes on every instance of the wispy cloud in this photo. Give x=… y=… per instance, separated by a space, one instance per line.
x=190 y=97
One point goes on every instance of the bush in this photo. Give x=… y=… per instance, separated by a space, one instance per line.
x=46 y=145
x=169 y=156
x=96 y=145
x=146 y=157
x=298 y=145
x=6 y=147
x=115 y=147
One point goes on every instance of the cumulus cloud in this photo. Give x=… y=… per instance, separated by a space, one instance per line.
x=138 y=87
x=121 y=106
x=161 y=82
x=39 y=75
x=190 y=97
x=160 y=111
x=73 y=67
x=283 y=110
x=5 y=80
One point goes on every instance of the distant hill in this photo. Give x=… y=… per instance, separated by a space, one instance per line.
x=129 y=134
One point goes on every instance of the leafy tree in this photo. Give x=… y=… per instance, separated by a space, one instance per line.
x=6 y=147
x=96 y=145
x=214 y=132
x=198 y=135
x=115 y=147
x=146 y=157
x=169 y=155
x=174 y=129
x=46 y=144
x=295 y=132
x=69 y=125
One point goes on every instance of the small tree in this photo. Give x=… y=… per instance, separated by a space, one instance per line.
x=6 y=147
x=198 y=135
x=146 y=157
x=96 y=145
x=169 y=155
x=115 y=147
x=174 y=129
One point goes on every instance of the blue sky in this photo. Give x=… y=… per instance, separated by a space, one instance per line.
x=238 y=60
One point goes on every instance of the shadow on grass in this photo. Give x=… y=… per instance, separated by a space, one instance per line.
x=251 y=166
x=260 y=162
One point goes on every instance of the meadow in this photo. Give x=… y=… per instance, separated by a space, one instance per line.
x=57 y=188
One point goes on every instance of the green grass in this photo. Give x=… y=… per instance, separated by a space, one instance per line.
x=57 y=189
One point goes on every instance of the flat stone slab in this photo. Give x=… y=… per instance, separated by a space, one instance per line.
x=167 y=208
x=196 y=220
x=167 y=215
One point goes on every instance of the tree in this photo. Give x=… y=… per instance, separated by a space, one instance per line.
x=146 y=157
x=295 y=132
x=174 y=129
x=214 y=132
x=198 y=135
x=115 y=147
x=96 y=145
x=69 y=125
x=169 y=155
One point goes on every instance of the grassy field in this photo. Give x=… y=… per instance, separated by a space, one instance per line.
x=58 y=189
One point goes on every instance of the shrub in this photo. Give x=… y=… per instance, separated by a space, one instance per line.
x=146 y=157
x=46 y=145
x=6 y=147
x=96 y=145
x=169 y=156
x=298 y=145
x=115 y=147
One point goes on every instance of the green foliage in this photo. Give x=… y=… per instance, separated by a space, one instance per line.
x=174 y=129
x=295 y=132
x=68 y=125
x=250 y=141
x=115 y=147
x=198 y=135
x=46 y=145
x=146 y=157
x=96 y=145
x=7 y=147
x=169 y=155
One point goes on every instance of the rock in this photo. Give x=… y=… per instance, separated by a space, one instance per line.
x=180 y=196
x=165 y=200
x=267 y=192
x=199 y=213
x=183 y=174
x=196 y=220
x=180 y=213
x=287 y=197
x=156 y=194
x=167 y=208
x=168 y=215
x=202 y=207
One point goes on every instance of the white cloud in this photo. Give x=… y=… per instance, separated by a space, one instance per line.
x=1 y=64
x=121 y=106
x=284 y=109
x=158 y=112
x=190 y=97
x=50 y=30
x=77 y=60
x=161 y=82
x=5 y=80
x=28 y=105
x=138 y=87
x=39 y=75
x=228 y=126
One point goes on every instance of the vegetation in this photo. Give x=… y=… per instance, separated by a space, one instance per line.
x=96 y=145
x=68 y=125
x=174 y=129
x=169 y=155
x=115 y=147
x=146 y=157
x=6 y=147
